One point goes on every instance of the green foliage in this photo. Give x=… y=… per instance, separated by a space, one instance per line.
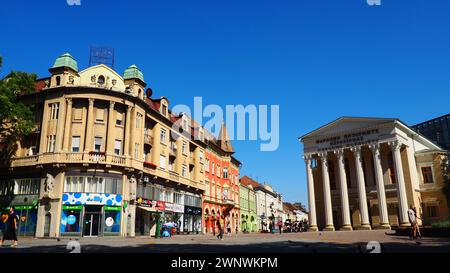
x=16 y=117
x=443 y=224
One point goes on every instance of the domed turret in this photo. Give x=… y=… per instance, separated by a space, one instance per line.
x=134 y=80
x=65 y=61
x=64 y=71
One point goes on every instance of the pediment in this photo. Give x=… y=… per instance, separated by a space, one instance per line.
x=113 y=80
x=345 y=124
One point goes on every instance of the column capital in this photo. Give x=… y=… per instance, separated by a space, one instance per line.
x=129 y=107
x=91 y=101
x=356 y=150
x=395 y=145
x=339 y=153
x=323 y=155
x=111 y=104
x=69 y=101
x=307 y=157
x=375 y=147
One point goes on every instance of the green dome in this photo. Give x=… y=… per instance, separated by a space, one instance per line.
x=133 y=72
x=65 y=60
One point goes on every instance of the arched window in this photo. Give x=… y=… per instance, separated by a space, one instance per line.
x=58 y=80
x=101 y=80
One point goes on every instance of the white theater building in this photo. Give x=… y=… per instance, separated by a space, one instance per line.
x=364 y=173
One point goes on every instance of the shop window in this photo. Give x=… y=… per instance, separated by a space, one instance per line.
x=112 y=220
x=71 y=219
x=427 y=175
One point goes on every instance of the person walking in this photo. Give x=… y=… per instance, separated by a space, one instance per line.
x=220 y=225
x=229 y=228
x=11 y=227
x=280 y=225
x=418 y=234
x=413 y=221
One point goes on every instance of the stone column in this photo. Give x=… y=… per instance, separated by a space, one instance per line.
x=401 y=188
x=67 y=127
x=311 y=196
x=126 y=146
x=327 y=193
x=110 y=134
x=361 y=189
x=346 y=222
x=381 y=194
x=89 y=146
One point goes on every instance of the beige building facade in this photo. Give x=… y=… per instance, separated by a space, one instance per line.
x=364 y=173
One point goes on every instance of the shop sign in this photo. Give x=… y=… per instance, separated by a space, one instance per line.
x=78 y=198
x=169 y=206
x=178 y=208
x=69 y=207
x=157 y=205
x=192 y=210
x=109 y=208
x=23 y=207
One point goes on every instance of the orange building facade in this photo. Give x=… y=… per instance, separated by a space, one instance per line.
x=221 y=196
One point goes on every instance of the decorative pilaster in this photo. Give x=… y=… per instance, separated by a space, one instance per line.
x=110 y=133
x=89 y=146
x=67 y=127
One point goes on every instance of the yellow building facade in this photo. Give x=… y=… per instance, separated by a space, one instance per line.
x=105 y=158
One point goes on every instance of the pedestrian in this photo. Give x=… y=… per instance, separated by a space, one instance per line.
x=413 y=221
x=220 y=226
x=11 y=226
x=280 y=225
x=229 y=228
x=237 y=229
x=418 y=234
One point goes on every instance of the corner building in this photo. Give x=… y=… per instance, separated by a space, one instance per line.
x=104 y=159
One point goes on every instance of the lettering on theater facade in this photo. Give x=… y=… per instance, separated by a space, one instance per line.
x=348 y=140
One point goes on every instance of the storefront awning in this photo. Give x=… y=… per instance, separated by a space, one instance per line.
x=148 y=209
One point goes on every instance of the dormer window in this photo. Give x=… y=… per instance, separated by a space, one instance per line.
x=164 y=109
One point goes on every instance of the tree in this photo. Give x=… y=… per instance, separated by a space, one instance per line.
x=17 y=119
x=445 y=168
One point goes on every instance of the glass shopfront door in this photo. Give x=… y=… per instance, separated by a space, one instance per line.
x=92 y=221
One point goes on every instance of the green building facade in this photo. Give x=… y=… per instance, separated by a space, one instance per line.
x=248 y=208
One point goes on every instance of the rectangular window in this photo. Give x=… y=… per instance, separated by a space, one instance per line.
x=432 y=211
x=138 y=120
x=184 y=147
x=164 y=110
x=171 y=162
x=118 y=147
x=54 y=111
x=99 y=114
x=136 y=150
x=225 y=172
x=97 y=144
x=75 y=144
x=427 y=175
x=184 y=170
x=119 y=119
x=51 y=141
x=162 y=162
x=163 y=136
x=201 y=156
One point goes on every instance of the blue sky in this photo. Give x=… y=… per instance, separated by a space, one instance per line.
x=318 y=60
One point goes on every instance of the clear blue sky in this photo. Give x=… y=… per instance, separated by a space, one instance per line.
x=318 y=60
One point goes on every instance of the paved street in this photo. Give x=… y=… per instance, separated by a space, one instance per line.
x=320 y=242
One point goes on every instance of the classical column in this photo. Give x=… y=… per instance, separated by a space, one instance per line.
x=327 y=193
x=346 y=223
x=89 y=146
x=110 y=135
x=361 y=188
x=401 y=188
x=311 y=196
x=381 y=194
x=67 y=127
x=126 y=146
